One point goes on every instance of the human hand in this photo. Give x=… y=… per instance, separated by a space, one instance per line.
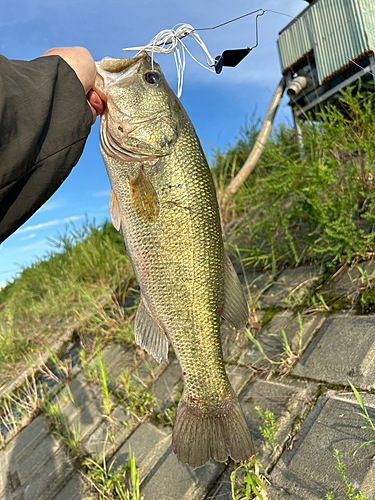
x=82 y=62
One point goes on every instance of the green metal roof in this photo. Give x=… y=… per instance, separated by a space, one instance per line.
x=337 y=31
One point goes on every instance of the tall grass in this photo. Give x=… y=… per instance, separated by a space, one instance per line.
x=60 y=287
x=314 y=203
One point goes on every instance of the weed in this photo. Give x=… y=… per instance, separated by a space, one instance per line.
x=300 y=331
x=314 y=205
x=69 y=434
x=89 y=369
x=18 y=408
x=351 y=491
x=170 y=415
x=110 y=320
x=269 y=430
x=246 y=481
x=60 y=288
x=270 y=313
x=107 y=404
x=138 y=401
x=282 y=364
x=111 y=483
x=258 y=345
x=365 y=415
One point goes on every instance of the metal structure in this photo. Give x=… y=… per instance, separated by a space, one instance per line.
x=328 y=46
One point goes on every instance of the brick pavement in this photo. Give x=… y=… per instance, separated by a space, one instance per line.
x=308 y=392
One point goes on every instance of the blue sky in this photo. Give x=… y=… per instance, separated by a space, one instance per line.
x=217 y=104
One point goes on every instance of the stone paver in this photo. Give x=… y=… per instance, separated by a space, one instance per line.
x=26 y=440
x=287 y=399
x=343 y=349
x=308 y=470
x=148 y=371
x=292 y=284
x=233 y=342
x=222 y=490
x=55 y=473
x=3 y=473
x=238 y=376
x=272 y=341
x=85 y=417
x=326 y=350
x=254 y=285
x=39 y=473
x=346 y=282
x=168 y=387
x=77 y=488
x=98 y=443
x=173 y=480
x=34 y=460
x=149 y=444
x=35 y=441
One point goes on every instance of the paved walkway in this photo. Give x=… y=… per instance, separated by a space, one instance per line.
x=305 y=387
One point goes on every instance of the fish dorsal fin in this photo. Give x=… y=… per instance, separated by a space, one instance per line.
x=235 y=308
x=114 y=210
x=143 y=198
x=149 y=335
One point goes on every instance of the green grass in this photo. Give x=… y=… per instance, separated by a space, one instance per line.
x=370 y=424
x=269 y=429
x=69 y=434
x=136 y=398
x=60 y=288
x=351 y=491
x=114 y=483
x=247 y=482
x=311 y=205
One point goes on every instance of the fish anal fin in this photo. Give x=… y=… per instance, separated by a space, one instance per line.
x=219 y=432
x=148 y=333
x=235 y=308
x=114 y=210
x=143 y=197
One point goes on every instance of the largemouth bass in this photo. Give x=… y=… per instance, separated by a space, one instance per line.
x=163 y=200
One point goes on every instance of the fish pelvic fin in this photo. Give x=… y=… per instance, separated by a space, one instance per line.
x=219 y=432
x=235 y=308
x=114 y=210
x=148 y=333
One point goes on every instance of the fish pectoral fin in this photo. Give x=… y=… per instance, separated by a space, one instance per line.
x=143 y=197
x=149 y=335
x=235 y=308
x=114 y=210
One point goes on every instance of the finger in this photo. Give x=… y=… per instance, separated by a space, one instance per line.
x=97 y=105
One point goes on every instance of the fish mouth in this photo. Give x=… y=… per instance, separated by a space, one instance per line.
x=108 y=67
x=115 y=65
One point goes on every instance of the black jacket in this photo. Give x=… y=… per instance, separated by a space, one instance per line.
x=44 y=123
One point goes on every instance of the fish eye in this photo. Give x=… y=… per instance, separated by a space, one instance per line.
x=152 y=77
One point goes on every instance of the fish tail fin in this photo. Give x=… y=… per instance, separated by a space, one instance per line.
x=200 y=434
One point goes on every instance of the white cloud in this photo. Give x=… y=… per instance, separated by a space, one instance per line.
x=28 y=237
x=30 y=247
x=52 y=205
x=99 y=194
x=51 y=223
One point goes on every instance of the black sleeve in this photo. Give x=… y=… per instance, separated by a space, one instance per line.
x=44 y=123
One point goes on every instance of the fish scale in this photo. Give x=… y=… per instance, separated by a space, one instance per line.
x=163 y=198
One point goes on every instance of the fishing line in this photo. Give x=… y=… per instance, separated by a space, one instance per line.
x=170 y=40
